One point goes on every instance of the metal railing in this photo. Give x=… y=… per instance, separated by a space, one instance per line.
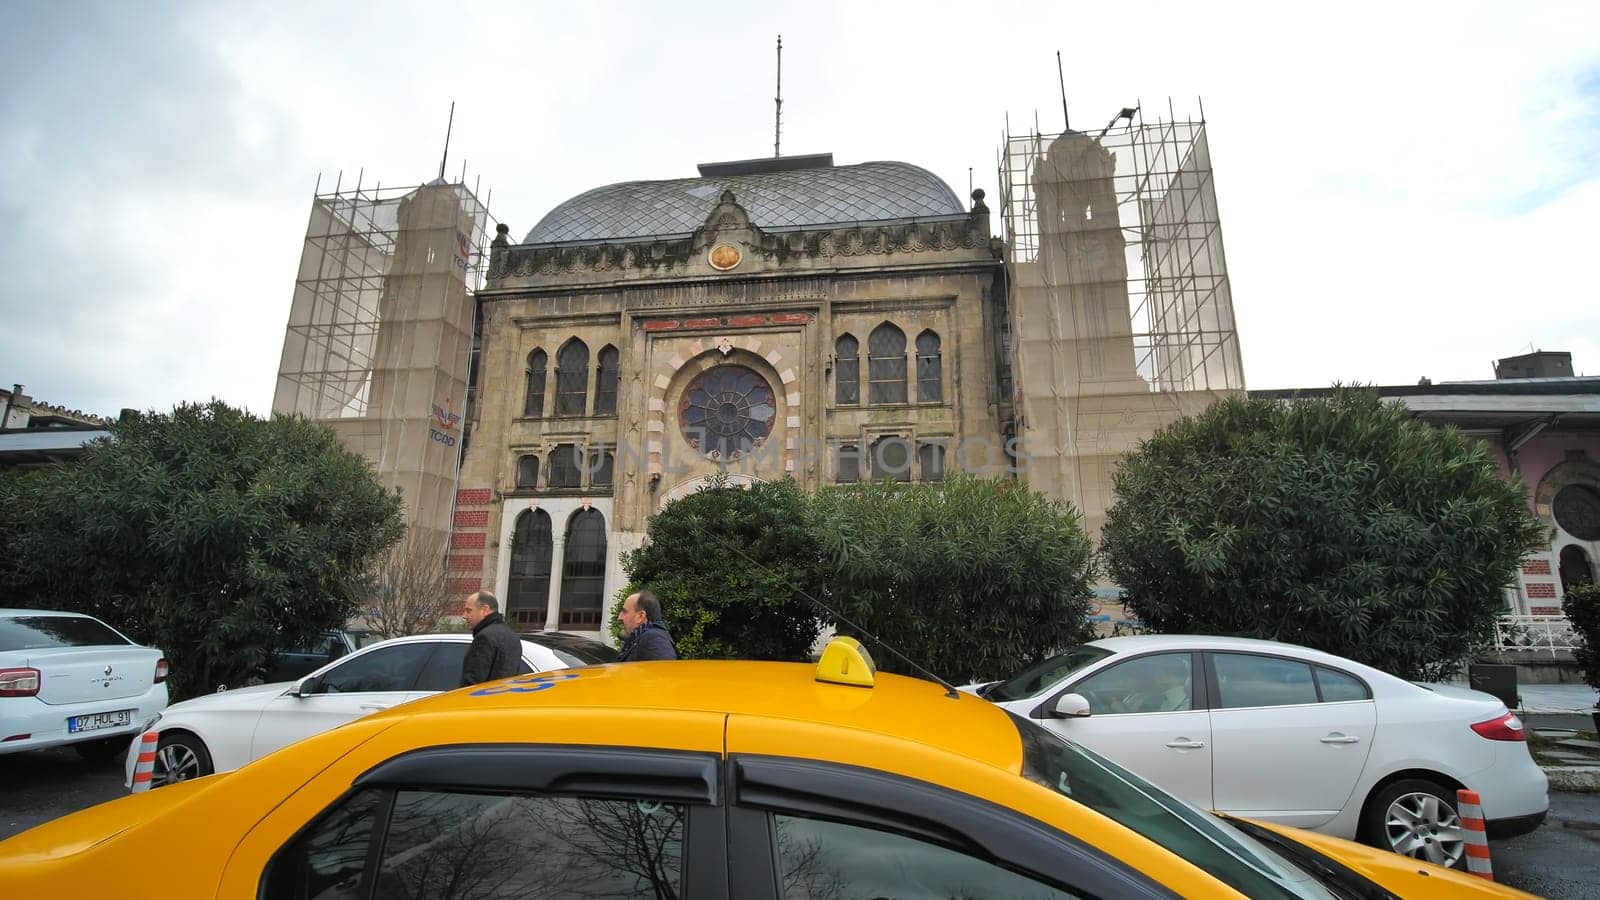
x=1534 y=634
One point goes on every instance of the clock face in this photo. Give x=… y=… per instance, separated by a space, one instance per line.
x=1577 y=511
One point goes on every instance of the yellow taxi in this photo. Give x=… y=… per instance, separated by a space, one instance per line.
x=694 y=780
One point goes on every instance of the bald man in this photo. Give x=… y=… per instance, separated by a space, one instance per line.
x=496 y=651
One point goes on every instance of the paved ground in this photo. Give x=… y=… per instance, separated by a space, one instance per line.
x=1560 y=860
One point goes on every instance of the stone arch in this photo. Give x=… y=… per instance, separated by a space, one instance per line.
x=1580 y=470
x=749 y=349
x=685 y=488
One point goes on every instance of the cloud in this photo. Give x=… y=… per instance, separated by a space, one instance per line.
x=1404 y=190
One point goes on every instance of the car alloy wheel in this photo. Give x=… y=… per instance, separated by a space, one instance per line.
x=175 y=762
x=1420 y=825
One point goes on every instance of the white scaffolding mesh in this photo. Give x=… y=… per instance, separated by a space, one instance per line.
x=380 y=329
x=1119 y=288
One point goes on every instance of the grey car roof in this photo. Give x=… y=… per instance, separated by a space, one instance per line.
x=865 y=192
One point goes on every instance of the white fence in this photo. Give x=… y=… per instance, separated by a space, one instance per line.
x=1534 y=634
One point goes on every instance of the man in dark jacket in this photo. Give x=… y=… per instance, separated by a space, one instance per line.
x=644 y=635
x=496 y=651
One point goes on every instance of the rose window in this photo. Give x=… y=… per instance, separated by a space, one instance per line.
x=726 y=412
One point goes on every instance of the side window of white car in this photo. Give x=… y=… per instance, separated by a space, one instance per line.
x=1246 y=680
x=389 y=669
x=443 y=671
x=1338 y=687
x=1161 y=682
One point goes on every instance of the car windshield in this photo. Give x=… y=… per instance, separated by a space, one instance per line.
x=42 y=632
x=1038 y=677
x=1199 y=837
x=571 y=649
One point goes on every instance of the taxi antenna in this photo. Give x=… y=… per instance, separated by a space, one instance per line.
x=949 y=688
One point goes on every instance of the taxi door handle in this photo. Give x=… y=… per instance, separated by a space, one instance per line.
x=1337 y=738
x=1185 y=744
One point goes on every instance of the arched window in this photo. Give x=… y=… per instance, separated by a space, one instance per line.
x=847 y=371
x=600 y=467
x=891 y=459
x=533 y=400
x=583 y=571
x=1575 y=567
x=528 y=472
x=565 y=467
x=930 y=458
x=572 y=379
x=605 y=387
x=886 y=365
x=930 y=382
x=528 y=594
x=847 y=464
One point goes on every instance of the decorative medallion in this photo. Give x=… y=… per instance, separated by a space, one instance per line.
x=724 y=257
x=727 y=411
x=725 y=344
x=1577 y=511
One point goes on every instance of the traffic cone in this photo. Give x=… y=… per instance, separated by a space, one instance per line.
x=145 y=769
x=1469 y=806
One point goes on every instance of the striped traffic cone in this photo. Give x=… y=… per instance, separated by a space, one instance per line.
x=1469 y=806
x=145 y=769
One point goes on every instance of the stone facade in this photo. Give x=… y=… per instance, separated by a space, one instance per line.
x=725 y=350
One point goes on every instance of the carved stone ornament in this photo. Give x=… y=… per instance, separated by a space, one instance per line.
x=725 y=344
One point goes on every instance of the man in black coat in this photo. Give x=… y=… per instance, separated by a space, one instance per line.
x=644 y=635
x=496 y=650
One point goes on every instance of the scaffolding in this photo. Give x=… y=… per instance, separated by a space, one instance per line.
x=1119 y=291
x=380 y=331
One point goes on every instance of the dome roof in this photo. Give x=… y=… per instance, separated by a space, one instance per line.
x=819 y=195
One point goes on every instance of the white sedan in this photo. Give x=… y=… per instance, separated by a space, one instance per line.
x=223 y=731
x=68 y=678
x=1288 y=734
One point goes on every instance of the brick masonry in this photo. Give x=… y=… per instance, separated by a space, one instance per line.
x=1536 y=567
x=473 y=497
x=473 y=518
x=466 y=563
x=460 y=587
x=469 y=540
x=1541 y=590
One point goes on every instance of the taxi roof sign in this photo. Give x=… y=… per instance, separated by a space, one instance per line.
x=845 y=661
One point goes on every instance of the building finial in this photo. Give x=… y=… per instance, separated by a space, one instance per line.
x=777 y=125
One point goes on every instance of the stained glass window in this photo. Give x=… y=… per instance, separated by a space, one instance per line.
x=727 y=411
x=583 y=572
x=528 y=472
x=847 y=371
x=886 y=365
x=605 y=389
x=565 y=467
x=533 y=403
x=572 y=378
x=930 y=384
x=529 y=588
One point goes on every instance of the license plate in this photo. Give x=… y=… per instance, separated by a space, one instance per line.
x=95 y=721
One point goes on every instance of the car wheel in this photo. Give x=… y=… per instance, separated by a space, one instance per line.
x=180 y=756
x=1417 y=818
x=103 y=749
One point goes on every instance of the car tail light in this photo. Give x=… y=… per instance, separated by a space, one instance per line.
x=1502 y=728
x=19 y=682
x=161 y=670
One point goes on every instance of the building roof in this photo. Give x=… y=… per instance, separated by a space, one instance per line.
x=1570 y=402
x=815 y=195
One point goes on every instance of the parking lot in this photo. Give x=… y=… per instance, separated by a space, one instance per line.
x=1560 y=860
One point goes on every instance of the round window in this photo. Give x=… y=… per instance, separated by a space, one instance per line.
x=726 y=412
x=1577 y=510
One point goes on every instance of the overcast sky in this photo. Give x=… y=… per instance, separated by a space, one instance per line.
x=1406 y=190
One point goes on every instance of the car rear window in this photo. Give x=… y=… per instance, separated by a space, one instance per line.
x=573 y=651
x=45 y=632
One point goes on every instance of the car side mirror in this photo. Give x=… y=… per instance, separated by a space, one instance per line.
x=306 y=686
x=1070 y=706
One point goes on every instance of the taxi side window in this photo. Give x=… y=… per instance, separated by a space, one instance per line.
x=819 y=859
x=445 y=844
x=328 y=858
